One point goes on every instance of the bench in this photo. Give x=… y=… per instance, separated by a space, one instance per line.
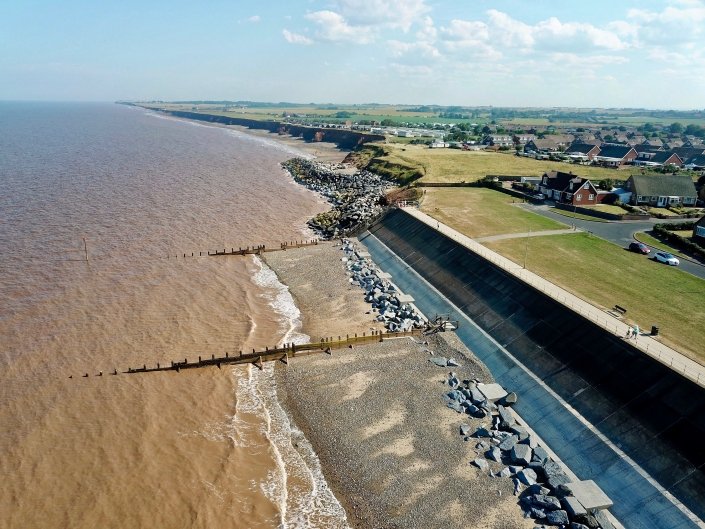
x=620 y=310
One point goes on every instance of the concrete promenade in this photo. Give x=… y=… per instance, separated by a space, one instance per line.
x=664 y=354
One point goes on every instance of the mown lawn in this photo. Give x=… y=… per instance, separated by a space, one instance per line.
x=606 y=274
x=455 y=165
x=480 y=212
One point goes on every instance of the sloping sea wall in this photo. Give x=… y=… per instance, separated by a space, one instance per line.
x=656 y=416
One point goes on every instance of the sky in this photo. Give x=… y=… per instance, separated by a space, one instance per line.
x=601 y=53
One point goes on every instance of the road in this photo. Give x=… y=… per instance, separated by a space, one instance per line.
x=618 y=232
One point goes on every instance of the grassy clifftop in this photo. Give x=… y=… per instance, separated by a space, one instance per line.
x=382 y=160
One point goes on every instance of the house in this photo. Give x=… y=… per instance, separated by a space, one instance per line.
x=695 y=163
x=613 y=155
x=662 y=190
x=569 y=189
x=658 y=159
x=498 y=140
x=686 y=153
x=524 y=138
x=699 y=232
x=582 y=151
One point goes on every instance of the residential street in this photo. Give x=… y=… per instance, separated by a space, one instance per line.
x=620 y=233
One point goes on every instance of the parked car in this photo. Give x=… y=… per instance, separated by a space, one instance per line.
x=540 y=196
x=639 y=247
x=665 y=257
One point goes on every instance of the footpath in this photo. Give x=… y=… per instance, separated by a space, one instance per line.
x=664 y=354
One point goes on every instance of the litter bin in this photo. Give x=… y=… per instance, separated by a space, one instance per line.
x=654 y=330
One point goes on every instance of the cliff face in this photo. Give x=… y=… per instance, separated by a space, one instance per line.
x=345 y=139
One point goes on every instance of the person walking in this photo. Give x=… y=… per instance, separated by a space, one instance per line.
x=636 y=331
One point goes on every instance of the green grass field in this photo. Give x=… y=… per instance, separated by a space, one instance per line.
x=454 y=165
x=605 y=274
x=481 y=212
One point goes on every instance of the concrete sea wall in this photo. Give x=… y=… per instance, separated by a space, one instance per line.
x=656 y=416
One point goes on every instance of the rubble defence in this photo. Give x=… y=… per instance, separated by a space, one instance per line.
x=396 y=315
x=357 y=197
x=506 y=449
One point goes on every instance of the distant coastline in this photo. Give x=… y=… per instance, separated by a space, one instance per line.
x=344 y=139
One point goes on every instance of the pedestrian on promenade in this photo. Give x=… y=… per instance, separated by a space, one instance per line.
x=629 y=333
x=636 y=331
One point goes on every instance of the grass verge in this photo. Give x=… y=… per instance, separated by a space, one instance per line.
x=577 y=215
x=481 y=212
x=606 y=274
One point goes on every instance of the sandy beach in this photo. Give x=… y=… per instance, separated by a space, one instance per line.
x=389 y=447
x=322 y=151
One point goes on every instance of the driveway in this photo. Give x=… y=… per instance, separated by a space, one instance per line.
x=618 y=232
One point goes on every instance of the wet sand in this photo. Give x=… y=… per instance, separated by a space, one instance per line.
x=388 y=445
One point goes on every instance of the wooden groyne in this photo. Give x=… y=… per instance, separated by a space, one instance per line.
x=249 y=250
x=274 y=354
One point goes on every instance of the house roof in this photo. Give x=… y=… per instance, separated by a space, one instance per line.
x=583 y=148
x=645 y=147
x=675 y=185
x=689 y=152
x=697 y=161
x=611 y=150
x=663 y=156
x=560 y=181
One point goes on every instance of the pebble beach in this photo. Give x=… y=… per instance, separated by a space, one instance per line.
x=388 y=444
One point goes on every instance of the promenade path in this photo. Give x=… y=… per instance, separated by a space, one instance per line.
x=522 y=235
x=664 y=354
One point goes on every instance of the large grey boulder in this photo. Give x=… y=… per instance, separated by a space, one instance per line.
x=506 y=418
x=495 y=454
x=527 y=476
x=557 y=518
x=521 y=454
x=481 y=463
x=440 y=361
x=508 y=443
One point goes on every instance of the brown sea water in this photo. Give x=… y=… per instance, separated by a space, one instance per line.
x=202 y=448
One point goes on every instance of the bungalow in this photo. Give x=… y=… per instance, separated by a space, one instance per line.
x=612 y=155
x=584 y=151
x=699 y=232
x=569 y=189
x=658 y=159
x=498 y=140
x=695 y=163
x=524 y=138
x=662 y=190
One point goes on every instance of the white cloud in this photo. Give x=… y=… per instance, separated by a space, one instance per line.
x=511 y=32
x=397 y=14
x=254 y=18
x=296 y=38
x=676 y=24
x=332 y=26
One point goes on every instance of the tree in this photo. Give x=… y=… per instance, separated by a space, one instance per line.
x=676 y=128
x=609 y=137
x=606 y=184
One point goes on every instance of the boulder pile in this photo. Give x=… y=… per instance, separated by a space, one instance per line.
x=357 y=198
x=513 y=452
x=379 y=292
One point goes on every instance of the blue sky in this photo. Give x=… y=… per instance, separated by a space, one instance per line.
x=608 y=53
